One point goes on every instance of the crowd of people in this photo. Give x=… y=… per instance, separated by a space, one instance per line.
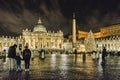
x=25 y=55
x=95 y=55
x=13 y=58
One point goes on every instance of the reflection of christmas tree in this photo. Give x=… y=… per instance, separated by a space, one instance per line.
x=90 y=42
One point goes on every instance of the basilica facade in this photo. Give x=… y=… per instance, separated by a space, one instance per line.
x=39 y=38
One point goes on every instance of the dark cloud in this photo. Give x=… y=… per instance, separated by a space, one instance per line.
x=20 y=14
x=57 y=14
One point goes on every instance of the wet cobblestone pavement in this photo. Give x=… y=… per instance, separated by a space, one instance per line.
x=65 y=67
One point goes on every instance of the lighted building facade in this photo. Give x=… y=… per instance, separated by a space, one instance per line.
x=108 y=37
x=39 y=38
x=6 y=41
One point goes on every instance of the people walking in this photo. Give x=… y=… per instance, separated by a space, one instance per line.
x=26 y=57
x=84 y=56
x=11 y=56
x=94 y=55
x=75 y=52
x=104 y=54
x=97 y=55
x=4 y=55
x=42 y=54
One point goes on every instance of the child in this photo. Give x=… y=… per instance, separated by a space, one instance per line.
x=18 y=62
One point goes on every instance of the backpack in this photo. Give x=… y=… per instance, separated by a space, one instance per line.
x=27 y=52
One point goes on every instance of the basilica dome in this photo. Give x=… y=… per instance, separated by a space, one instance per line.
x=39 y=27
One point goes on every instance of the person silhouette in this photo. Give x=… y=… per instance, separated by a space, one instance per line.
x=11 y=56
x=26 y=57
x=104 y=54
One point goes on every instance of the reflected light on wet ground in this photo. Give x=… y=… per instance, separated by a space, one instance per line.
x=66 y=67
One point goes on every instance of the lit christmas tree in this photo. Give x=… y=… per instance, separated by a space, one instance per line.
x=90 y=42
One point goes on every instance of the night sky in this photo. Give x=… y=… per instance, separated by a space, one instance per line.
x=16 y=15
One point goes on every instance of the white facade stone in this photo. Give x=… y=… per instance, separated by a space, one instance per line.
x=36 y=39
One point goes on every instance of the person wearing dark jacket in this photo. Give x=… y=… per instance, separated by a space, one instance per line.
x=75 y=52
x=11 y=56
x=26 y=57
x=104 y=54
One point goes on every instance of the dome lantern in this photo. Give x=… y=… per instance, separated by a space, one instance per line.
x=39 y=27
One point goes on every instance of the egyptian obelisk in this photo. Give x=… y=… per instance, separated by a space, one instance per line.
x=74 y=31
